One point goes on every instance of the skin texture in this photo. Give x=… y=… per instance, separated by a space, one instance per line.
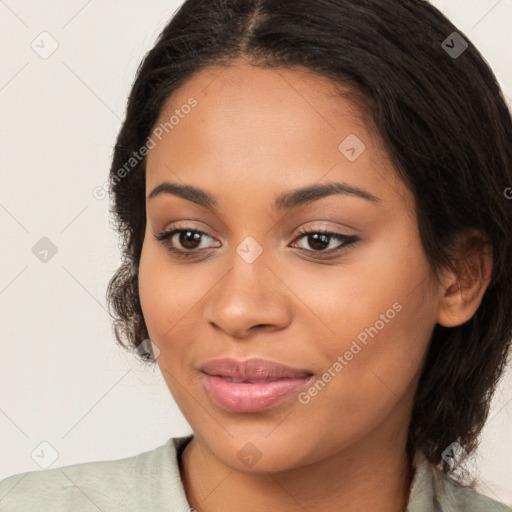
x=254 y=134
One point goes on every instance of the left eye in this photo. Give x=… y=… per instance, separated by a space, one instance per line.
x=320 y=240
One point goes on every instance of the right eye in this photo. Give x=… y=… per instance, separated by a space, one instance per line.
x=188 y=239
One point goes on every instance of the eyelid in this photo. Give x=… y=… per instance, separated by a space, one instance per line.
x=190 y=225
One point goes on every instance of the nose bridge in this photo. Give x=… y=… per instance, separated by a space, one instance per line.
x=249 y=265
x=247 y=282
x=249 y=294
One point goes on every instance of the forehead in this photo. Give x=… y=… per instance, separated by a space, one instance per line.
x=265 y=126
x=243 y=93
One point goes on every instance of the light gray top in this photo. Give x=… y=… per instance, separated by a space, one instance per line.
x=150 y=482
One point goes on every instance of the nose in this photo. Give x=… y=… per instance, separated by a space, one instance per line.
x=250 y=297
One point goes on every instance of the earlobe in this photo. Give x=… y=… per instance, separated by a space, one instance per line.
x=463 y=290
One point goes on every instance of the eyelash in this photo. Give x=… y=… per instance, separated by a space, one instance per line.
x=166 y=236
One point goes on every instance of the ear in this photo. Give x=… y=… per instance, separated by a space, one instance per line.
x=463 y=290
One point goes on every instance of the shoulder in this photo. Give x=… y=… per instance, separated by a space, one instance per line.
x=456 y=497
x=131 y=483
x=434 y=491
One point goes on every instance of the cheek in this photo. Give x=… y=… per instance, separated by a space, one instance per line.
x=172 y=297
x=374 y=371
x=165 y=301
x=370 y=374
x=162 y=293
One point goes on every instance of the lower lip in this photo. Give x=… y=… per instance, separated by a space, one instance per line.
x=250 y=397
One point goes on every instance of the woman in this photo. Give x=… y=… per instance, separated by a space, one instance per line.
x=312 y=199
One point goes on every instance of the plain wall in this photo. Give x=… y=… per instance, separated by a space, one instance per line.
x=63 y=378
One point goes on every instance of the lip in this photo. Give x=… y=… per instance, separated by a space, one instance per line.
x=252 y=369
x=267 y=383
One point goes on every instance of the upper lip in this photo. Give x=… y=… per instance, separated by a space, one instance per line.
x=252 y=369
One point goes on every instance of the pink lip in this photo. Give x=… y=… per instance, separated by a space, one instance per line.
x=252 y=369
x=277 y=382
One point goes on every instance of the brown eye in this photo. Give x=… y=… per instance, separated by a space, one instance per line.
x=189 y=239
x=183 y=242
x=319 y=241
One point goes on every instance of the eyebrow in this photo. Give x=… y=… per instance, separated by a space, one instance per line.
x=285 y=201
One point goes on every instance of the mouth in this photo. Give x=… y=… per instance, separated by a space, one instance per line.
x=238 y=381
x=251 y=386
x=262 y=370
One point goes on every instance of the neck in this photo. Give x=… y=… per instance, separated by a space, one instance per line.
x=361 y=478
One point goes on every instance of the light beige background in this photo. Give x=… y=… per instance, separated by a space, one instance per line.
x=63 y=379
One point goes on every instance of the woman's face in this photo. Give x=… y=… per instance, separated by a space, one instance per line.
x=356 y=317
